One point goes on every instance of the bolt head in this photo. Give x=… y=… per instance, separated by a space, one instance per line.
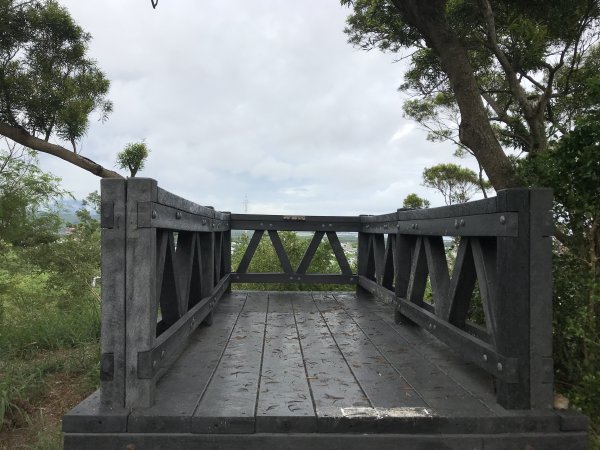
x=499 y=367
x=178 y=215
x=154 y=214
x=456 y=223
x=485 y=358
x=462 y=222
x=502 y=220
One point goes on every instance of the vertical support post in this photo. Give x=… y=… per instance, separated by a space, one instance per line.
x=540 y=294
x=523 y=299
x=113 y=222
x=362 y=256
x=207 y=258
x=141 y=301
x=226 y=257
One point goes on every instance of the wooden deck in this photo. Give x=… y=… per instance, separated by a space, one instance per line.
x=318 y=370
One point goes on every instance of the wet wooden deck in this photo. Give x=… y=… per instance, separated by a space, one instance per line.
x=309 y=363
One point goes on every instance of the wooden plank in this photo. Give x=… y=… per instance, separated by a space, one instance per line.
x=470 y=348
x=330 y=441
x=155 y=215
x=484 y=206
x=310 y=252
x=141 y=308
x=418 y=274
x=540 y=294
x=168 y=199
x=170 y=344
x=249 y=253
x=180 y=389
x=112 y=341
x=389 y=259
x=378 y=243
x=384 y=387
x=206 y=249
x=484 y=257
x=377 y=289
x=218 y=252
x=184 y=264
x=513 y=299
x=280 y=251
x=461 y=286
x=229 y=403
x=284 y=398
x=332 y=383
x=438 y=271
x=294 y=223
x=293 y=278
x=404 y=249
x=339 y=253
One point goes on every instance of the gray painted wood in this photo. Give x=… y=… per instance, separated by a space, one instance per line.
x=310 y=252
x=461 y=286
x=249 y=253
x=112 y=377
x=293 y=278
x=155 y=215
x=339 y=253
x=332 y=382
x=141 y=306
x=384 y=387
x=179 y=391
x=438 y=272
x=229 y=403
x=329 y=441
x=280 y=251
x=284 y=398
x=484 y=257
x=169 y=199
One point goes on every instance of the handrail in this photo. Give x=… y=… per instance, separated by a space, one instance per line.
x=504 y=243
x=162 y=252
x=159 y=253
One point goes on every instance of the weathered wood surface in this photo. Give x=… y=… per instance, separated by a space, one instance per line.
x=318 y=364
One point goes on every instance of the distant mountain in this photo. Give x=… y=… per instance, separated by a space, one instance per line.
x=68 y=207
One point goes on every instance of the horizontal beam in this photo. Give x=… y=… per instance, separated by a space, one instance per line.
x=495 y=224
x=294 y=223
x=376 y=289
x=485 y=206
x=293 y=278
x=174 y=201
x=469 y=347
x=155 y=215
x=170 y=343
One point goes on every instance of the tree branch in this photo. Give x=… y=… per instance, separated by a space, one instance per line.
x=22 y=137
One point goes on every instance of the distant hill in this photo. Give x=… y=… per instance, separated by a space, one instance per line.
x=67 y=209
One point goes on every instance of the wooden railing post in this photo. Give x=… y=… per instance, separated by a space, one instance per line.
x=113 y=236
x=141 y=291
x=523 y=299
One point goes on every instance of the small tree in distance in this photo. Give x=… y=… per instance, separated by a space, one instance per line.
x=133 y=157
x=457 y=184
x=413 y=201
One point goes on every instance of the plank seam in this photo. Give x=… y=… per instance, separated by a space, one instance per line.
x=379 y=351
x=262 y=358
x=312 y=398
x=220 y=358
x=342 y=353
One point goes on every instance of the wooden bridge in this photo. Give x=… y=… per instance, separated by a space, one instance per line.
x=188 y=363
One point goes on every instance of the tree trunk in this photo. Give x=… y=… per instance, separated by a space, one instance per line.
x=475 y=130
x=22 y=137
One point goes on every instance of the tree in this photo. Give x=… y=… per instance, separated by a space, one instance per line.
x=49 y=87
x=457 y=184
x=133 y=157
x=27 y=199
x=489 y=75
x=413 y=201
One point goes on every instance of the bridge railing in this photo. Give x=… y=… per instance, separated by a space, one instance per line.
x=165 y=263
x=504 y=244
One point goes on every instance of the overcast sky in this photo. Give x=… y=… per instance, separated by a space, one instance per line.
x=260 y=98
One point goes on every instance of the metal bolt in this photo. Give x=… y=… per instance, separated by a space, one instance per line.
x=413 y=226
x=178 y=215
x=291 y=278
x=484 y=357
x=154 y=214
x=204 y=222
x=154 y=363
x=368 y=226
x=398 y=225
x=456 y=223
x=416 y=226
x=499 y=367
x=322 y=225
x=385 y=225
x=271 y=225
x=462 y=222
x=502 y=220
x=434 y=326
x=162 y=354
x=329 y=224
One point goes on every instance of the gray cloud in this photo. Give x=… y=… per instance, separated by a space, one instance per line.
x=262 y=98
